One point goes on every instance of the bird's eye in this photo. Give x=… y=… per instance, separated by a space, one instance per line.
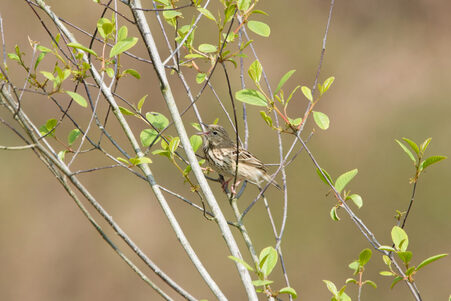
x=215 y=133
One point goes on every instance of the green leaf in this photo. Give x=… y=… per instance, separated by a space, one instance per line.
x=386 y=260
x=365 y=256
x=322 y=177
x=255 y=71
x=296 y=121
x=333 y=214
x=410 y=271
x=133 y=73
x=43 y=130
x=229 y=11
x=187 y=170
x=288 y=290
x=407 y=151
x=355 y=266
x=171 y=14
x=307 y=93
x=73 y=135
x=373 y=284
x=425 y=144
x=283 y=80
x=343 y=295
x=207 y=48
x=164 y=2
x=331 y=287
x=244 y=45
x=141 y=102
x=252 y=97
x=14 y=57
x=387 y=248
x=78 y=98
x=405 y=256
x=122 y=46
x=66 y=74
x=81 y=47
x=122 y=33
x=174 y=144
x=125 y=111
x=161 y=152
x=259 y=28
x=48 y=75
x=109 y=72
x=194 y=56
x=395 y=281
x=326 y=85
x=344 y=179
x=47 y=50
x=357 y=199
x=196 y=142
x=351 y=280
x=321 y=120
x=241 y=261
x=123 y=160
x=158 y=120
x=49 y=127
x=196 y=126
x=39 y=59
x=429 y=260
x=140 y=160
x=62 y=154
x=400 y=238
x=105 y=27
x=200 y=77
x=431 y=160
x=147 y=136
x=206 y=13
x=267 y=260
x=266 y=118
x=413 y=145
x=243 y=4
x=262 y=282
x=386 y=273
x=257 y=11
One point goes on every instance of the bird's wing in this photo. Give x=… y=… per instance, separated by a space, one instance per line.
x=245 y=157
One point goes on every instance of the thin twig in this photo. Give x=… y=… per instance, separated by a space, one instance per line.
x=2 y=147
x=410 y=204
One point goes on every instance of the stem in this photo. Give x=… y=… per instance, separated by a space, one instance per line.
x=360 y=286
x=410 y=204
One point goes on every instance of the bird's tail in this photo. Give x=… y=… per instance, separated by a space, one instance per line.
x=277 y=185
x=273 y=182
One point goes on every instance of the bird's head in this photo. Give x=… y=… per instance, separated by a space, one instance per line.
x=216 y=135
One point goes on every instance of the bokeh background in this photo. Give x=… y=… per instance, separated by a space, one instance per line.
x=391 y=60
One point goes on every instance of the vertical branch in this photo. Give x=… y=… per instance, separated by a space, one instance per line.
x=170 y=101
x=410 y=204
x=243 y=85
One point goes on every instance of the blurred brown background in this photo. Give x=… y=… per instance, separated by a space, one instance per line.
x=393 y=73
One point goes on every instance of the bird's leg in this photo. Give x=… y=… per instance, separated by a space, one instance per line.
x=224 y=183
x=234 y=186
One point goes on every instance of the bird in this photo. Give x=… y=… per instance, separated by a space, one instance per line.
x=220 y=153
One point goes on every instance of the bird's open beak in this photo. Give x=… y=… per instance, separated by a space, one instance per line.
x=203 y=133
